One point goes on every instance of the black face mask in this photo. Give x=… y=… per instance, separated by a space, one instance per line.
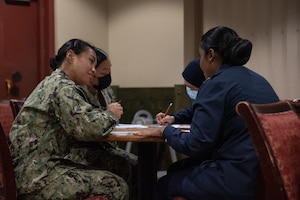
x=103 y=82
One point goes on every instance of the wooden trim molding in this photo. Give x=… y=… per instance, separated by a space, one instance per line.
x=46 y=35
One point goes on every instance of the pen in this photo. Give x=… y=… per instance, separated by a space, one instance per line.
x=166 y=112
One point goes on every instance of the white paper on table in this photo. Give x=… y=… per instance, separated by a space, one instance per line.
x=121 y=132
x=131 y=126
x=182 y=126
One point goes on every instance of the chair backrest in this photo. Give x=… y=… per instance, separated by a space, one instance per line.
x=275 y=130
x=142 y=117
x=16 y=106
x=6 y=117
x=296 y=104
x=8 y=189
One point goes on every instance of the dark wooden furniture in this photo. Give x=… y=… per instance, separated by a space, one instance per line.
x=275 y=130
x=6 y=116
x=296 y=104
x=16 y=106
x=7 y=176
x=98 y=198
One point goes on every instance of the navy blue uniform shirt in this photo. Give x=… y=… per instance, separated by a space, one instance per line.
x=219 y=133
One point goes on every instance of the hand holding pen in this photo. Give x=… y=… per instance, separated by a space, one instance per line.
x=164 y=118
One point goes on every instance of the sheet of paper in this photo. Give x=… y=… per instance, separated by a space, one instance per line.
x=121 y=132
x=182 y=126
x=131 y=126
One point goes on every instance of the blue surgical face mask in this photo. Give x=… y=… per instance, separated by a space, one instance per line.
x=191 y=93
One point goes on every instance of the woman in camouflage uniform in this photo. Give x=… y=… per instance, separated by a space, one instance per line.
x=57 y=114
x=105 y=156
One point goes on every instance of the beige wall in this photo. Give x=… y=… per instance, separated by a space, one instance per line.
x=146 y=42
x=149 y=40
x=273 y=26
x=84 y=19
x=143 y=37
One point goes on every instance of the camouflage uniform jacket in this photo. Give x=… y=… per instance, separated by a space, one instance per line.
x=108 y=95
x=55 y=114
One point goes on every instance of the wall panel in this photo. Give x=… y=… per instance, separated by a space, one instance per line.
x=273 y=27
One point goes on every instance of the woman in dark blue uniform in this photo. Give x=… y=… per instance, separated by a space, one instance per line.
x=222 y=163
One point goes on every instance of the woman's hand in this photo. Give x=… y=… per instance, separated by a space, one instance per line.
x=163 y=119
x=116 y=108
x=156 y=132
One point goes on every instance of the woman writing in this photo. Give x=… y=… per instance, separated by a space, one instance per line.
x=193 y=79
x=223 y=163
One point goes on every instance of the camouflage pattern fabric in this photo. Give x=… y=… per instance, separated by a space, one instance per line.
x=108 y=95
x=106 y=155
x=54 y=117
x=115 y=160
x=76 y=184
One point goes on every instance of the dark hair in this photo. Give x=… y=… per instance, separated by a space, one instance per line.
x=77 y=45
x=101 y=56
x=103 y=82
x=226 y=42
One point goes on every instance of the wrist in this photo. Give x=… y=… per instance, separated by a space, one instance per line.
x=173 y=119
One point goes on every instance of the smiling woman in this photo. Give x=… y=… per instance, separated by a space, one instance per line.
x=57 y=117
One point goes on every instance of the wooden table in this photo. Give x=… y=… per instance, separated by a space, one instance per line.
x=147 y=160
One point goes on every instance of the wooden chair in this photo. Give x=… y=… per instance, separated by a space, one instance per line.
x=8 y=189
x=296 y=104
x=16 y=106
x=6 y=116
x=275 y=130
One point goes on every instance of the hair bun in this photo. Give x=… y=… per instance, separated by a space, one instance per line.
x=240 y=52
